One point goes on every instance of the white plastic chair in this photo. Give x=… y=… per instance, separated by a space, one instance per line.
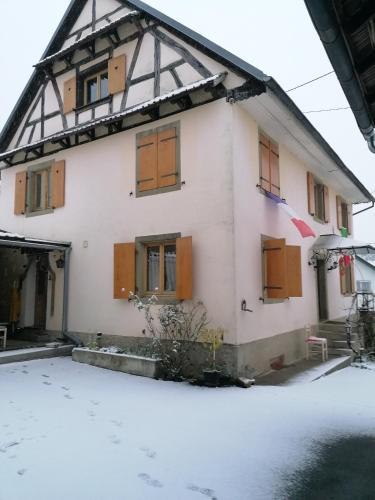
x=319 y=342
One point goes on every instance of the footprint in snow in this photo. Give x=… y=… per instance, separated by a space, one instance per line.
x=65 y=388
x=47 y=383
x=21 y=472
x=148 y=480
x=96 y=403
x=91 y=413
x=67 y=396
x=115 y=440
x=149 y=453
x=25 y=372
x=45 y=376
x=117 y=423
x=204 y=491
x=12 y=456
x=5 y=446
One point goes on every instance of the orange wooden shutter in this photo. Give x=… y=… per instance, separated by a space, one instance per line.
x=275 y=269
x=117 y=74
x=350 y=218
x=20 y=193
x=310 y=193
x=124 y=270
x=294 y=276
x=167 y=158
x=326 y=204
x=147 y=163
x=70 y=95
x=339 y=212
x=58 y=184
x=264 y=159
x=274 y=169
x=184 y=268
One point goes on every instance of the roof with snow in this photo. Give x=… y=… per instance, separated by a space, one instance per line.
x=251 y=73
x=9 y=239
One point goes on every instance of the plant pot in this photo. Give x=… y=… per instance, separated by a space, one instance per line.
x=211 y=378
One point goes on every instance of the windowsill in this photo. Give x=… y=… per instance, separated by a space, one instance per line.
x=320 y=221
x=39 y=212
x=94 y=104
x=150 y=192
x=274 y=301
x=264 y=192
x=162 y=300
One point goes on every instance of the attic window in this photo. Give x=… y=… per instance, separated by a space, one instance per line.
x=95 y=87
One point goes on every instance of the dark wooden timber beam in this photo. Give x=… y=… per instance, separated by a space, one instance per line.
x=353 y=23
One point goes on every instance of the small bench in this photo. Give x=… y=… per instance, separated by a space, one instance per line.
x=3 y=336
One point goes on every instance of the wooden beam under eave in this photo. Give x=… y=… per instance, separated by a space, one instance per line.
x=153 y=113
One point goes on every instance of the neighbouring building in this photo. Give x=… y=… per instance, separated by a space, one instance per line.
x=143 y=157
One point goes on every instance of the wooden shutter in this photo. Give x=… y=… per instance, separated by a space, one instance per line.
x=326 y=204
x=294 y=275
x=274 y=169
x=147 y=163
x=124 y=270
x=58 y=184
x=264 y=160
x=310 y=193
x=167 y=158
x=275 y=269
x=350 y=218
x=184 y=268
x=117 y=74
x=339 y=212
x=20 y=193
x=70 y=95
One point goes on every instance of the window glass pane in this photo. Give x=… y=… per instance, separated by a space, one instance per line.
x=319 y=201
x=103 y=85
x=38 y=190
x=91 y=90
x=344 y=211
x=170 y=268
x=153 y=268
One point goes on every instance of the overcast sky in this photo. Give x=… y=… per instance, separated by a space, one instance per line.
x=275 y=36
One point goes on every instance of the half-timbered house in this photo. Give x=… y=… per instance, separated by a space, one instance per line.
x=143 y=157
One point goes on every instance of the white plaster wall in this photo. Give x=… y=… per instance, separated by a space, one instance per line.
x=255 y=214
x=98 y=209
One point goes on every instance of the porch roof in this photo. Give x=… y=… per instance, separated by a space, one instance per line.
x=8 y=239
x=338 y=244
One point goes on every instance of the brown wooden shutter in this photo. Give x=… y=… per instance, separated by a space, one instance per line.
x=310 y=193
x=124 y=270
x=20 y=193
x=147 y=163
x=70 y=95
x=184 y=268
x=274 y=169
x=339 y=212
x=275 y=269
x=350 y=218
x=167 y=158
x=58 y=184
x=117 y=74
x=326 y=204
x=294 y=275
x=264 y=159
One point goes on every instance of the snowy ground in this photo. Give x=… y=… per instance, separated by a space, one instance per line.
x=73 y=431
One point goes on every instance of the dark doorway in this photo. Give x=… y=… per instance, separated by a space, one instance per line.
x=322 y=290
x=41 y=287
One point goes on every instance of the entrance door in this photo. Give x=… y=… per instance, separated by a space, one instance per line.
x=41 y=287
x=322 y=290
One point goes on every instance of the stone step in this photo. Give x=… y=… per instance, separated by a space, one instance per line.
x=335 y=335
x=339 y=352
x=334 y=326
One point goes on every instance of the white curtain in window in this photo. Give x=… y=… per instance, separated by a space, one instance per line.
x=170 y=270
x=153 y=269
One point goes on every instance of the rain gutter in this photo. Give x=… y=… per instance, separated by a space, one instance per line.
x=325 y=20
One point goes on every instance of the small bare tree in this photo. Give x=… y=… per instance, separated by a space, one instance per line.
x=173 y=330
